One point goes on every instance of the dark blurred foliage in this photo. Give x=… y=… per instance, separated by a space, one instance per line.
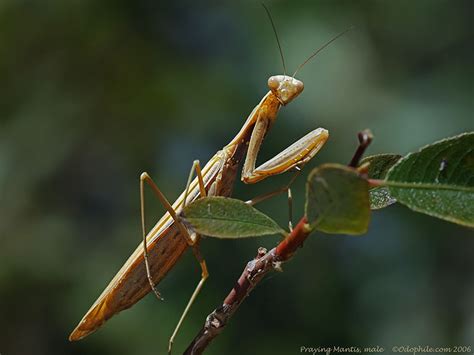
x=95 y=92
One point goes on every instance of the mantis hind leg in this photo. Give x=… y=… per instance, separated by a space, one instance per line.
x=197 y=253
x=204 y=276
x=145 y=178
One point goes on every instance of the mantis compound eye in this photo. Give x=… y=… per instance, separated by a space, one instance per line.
x=273 y=83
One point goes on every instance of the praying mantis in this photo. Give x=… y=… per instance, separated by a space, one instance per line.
x=165 y=243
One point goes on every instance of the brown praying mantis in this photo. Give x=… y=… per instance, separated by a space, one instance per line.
x=166 y=242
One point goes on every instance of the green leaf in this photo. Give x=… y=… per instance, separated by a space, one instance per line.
x=223 y=217
x=380 y=198
x=337 y=200
x=438 y=180
x=379 y=166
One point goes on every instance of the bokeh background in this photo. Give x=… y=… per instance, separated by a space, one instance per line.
x=95 y=92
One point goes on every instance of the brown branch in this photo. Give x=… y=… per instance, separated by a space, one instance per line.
x=365 y=138
x=253 y=273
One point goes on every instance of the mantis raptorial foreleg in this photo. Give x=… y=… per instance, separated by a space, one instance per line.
x=292 y=158
x=296 y=155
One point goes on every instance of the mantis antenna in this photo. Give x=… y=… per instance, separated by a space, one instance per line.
x=276 y=36
x=322 y=47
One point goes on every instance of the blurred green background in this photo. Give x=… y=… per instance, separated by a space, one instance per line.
x=93 y=93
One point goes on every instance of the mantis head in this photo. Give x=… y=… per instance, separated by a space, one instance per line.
x=285 y=87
